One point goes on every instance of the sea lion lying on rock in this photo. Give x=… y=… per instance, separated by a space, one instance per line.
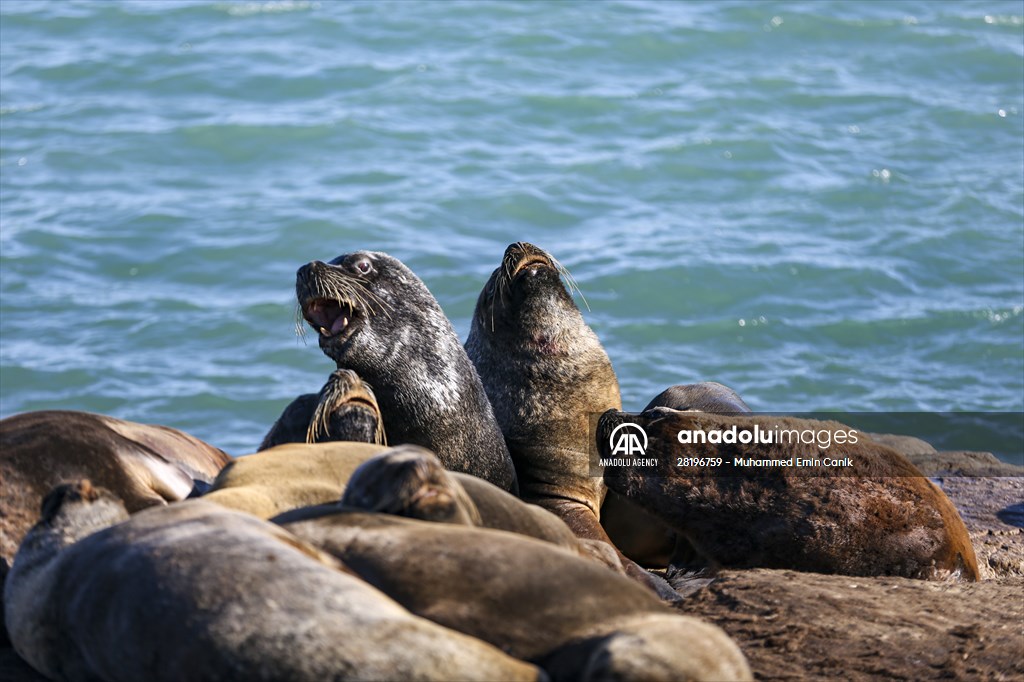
x=143 y=464
x=639 y=535
x=197 y=592
x=536 y=601
x=870 y=513
x=289 y=476
x=410 y=481
x=345 y=409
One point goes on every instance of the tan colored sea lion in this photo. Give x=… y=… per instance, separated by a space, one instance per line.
x=289 y=476
x=546 y=374
x=853 y=508
x=532 y=599
x=197 y=592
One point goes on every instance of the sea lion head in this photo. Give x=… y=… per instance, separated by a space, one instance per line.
x=526 y=302
x=410 y=481
x=78 y=509
x=346 y=410
x=362 y=304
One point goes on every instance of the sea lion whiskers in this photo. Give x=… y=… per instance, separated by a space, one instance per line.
x=333 y=394
x=337 y=288
x=569 y=280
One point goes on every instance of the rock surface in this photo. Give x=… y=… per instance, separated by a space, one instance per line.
x=809 y=626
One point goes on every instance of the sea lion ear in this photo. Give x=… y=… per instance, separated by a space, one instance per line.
x=55 y=499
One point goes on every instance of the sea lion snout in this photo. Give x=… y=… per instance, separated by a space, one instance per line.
x=66 y=493
x=522 y=257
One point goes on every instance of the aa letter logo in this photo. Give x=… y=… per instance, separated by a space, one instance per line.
x=628 y=439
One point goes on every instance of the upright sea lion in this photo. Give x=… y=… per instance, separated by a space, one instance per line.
x=639 y=535
x=855 y=508
x=196 y=592
x=345 y=409
x=546 y=373
x=289 y=476
x=376 y=317
x=536 y=601
x=410 y=481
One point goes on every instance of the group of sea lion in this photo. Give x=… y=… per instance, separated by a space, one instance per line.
x=482 y=544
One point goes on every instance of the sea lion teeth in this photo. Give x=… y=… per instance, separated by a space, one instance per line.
x=339 y=324
x=324 y=332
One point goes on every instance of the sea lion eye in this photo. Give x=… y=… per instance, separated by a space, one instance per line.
x=363 y=265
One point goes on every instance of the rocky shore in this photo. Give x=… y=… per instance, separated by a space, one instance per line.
x=809 y=626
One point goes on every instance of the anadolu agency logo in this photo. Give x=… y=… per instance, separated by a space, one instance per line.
x=629 y=440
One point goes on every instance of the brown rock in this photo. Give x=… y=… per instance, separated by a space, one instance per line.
x=809 y=626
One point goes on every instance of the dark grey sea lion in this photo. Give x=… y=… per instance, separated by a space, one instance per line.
x=706 y=396
x=197 y=592
x=869 y=512
x=376 y=317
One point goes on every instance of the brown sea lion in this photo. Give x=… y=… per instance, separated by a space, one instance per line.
x=197 y=592
x=546 y=373
x=860 y=509
x=706 y=396
x=376 y=317
x=345 y=409
x=410 y=481
x=639 y=535
x=289 y=476
x=144 y=464
x=532 y=599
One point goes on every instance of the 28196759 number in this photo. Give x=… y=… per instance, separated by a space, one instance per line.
x=698 y=461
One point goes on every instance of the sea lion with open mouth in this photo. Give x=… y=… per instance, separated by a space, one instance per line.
x=345 y=409
x=376 y=317
x=546 y=375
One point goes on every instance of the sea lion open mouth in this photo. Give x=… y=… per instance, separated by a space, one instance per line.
x=330 y=318
x=334 y=298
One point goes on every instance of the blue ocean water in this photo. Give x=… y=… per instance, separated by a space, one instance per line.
x=820 y=204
